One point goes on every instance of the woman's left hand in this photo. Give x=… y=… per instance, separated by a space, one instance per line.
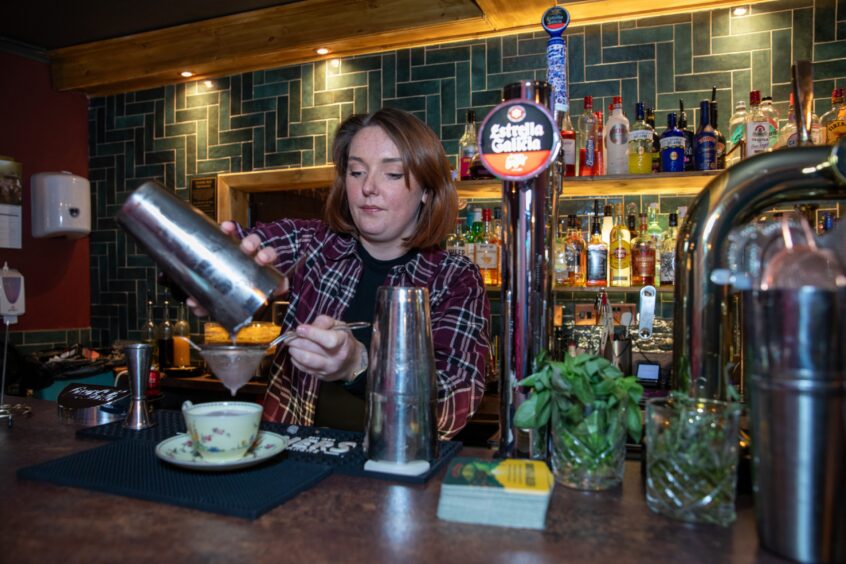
x=325 y=353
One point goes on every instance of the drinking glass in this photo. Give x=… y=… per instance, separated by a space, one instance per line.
x=691 y=459
x=590 y=455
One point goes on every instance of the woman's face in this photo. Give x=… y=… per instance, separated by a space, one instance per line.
x=383 y=208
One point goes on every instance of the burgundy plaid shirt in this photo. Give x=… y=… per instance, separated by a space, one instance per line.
x=325 y=284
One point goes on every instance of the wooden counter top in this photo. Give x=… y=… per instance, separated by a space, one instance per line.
x=341 y=519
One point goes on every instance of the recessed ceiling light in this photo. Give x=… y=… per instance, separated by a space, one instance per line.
x=322 y=51
x=186 y=74
x=740 y=10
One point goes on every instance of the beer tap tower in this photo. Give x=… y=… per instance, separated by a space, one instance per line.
x=519 y=142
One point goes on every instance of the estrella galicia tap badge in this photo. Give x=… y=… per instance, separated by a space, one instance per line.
x=518 y=140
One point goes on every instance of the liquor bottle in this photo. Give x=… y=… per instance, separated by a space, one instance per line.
x=653 y=227
x=616 y=139
x=596 y=272
x=772 y=120
x=568 y=145
x=654 y=231
x=656 y=140
x=165 y=338
x=607 y=222
x=148 y=329
x=643 y=255
x=587 y=139
x=688 y=137
x=487 y=251
x=181 y=335
x=640 y=143
x=576 y=253
x=705 y=140
x=620 y=252
x=599 y=167
x=736 y=132
x=720 y=145
x=476 y=229
x=757 y=135
x=833 y=121
x=561 y=268
x=631 y=223
x=467 y=146
x=667 y=252
x=455 y=241
x=787 y=135
x=672 y=146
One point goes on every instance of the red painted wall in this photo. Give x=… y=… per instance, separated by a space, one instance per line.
x=46 y=131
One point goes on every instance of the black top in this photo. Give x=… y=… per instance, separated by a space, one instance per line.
x=342 y=405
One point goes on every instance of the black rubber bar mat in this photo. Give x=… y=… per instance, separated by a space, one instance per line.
x=131 y=468
x=340 y=450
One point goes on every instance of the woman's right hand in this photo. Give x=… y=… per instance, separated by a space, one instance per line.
x=249 y=245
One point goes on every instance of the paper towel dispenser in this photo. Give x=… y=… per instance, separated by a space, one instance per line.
x=61 y=205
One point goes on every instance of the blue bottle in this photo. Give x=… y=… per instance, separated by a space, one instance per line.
x=672 y=146
x=705 y=140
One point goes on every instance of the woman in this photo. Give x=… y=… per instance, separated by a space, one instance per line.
x=391 y=203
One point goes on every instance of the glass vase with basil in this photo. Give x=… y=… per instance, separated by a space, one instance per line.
x=591 y=406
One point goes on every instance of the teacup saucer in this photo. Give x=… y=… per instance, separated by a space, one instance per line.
x=178 y=451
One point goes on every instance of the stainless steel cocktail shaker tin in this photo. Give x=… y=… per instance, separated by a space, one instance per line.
x=193 y=252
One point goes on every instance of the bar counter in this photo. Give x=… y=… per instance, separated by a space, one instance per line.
x=342 y=518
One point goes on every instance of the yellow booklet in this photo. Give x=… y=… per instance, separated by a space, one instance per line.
x=510 y=475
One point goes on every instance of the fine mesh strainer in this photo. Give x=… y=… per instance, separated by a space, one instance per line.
x=234 y=365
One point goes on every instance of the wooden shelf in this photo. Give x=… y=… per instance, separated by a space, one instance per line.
x=593 y=290
x=671 y=183
x=233 y=189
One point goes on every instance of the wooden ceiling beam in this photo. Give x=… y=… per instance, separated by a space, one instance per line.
x=288 y=34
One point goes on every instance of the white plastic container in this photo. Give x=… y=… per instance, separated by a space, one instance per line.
x=61 y=205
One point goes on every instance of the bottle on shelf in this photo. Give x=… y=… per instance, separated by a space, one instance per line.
x=643 y=255
x=607 y=221
x=688 y=137
x=587 y=139
x=640 y=143
x=736 y=134
x=476 y=230
x=568 y=145
x=620 y=252
x=631 y=223
x=667 y=253
x=181 y=334
x=757 y=134
x=487 y=251
x=656 y=140
x=596 y=271
x=455 y=241
x=599 y=168
x=561 y=268
x=833 y=122
x=705 y=140
x=467 y=146
x=654 y=231
x=149 y=329
x=616 y=139
x=165 y=338
x=672 y=146
x=576 y=253
x=720 y=144
x=772 y=120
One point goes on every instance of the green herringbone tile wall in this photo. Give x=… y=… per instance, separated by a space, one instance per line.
x=285 y=117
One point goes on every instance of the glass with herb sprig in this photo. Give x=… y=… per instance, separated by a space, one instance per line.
x=591 y=406
x=691 y=458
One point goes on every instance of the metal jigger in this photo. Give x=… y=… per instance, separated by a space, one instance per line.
x=138 y=358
